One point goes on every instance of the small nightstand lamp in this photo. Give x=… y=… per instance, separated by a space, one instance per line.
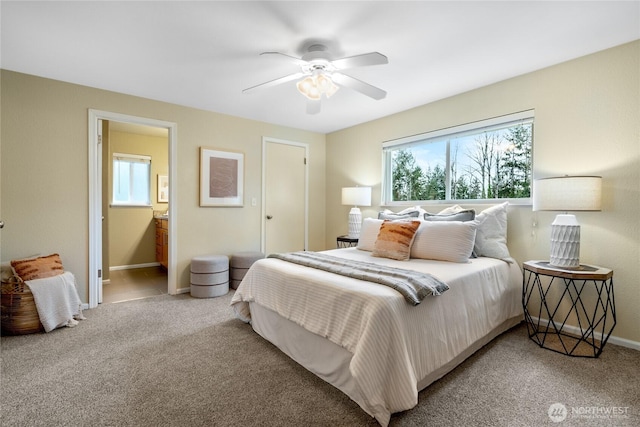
x=356 y=196
x=566 y=193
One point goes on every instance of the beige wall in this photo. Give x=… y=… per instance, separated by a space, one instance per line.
x=587 y=121
x=44 y=173
x=132 y=230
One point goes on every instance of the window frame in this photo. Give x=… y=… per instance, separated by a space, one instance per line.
x=132 y=158
x=472 y=128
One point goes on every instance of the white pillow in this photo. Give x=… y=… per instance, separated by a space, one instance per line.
x=444 y=240
x=408 y=213
x=491 y=235
x=451 y=210
x=369 y=233
x=412 y=209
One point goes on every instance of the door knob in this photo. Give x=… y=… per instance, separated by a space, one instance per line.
x=269 y=216
x=1 y=224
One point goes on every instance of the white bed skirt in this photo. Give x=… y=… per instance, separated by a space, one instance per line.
x=331 y=362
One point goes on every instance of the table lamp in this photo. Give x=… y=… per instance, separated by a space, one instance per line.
x=566 y=193
x=356 y=196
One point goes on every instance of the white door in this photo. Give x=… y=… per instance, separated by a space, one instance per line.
x=285 y=200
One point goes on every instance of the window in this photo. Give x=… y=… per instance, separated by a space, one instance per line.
x=131 y=180
x=483 y=160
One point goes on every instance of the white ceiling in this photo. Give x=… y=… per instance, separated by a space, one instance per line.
x=203 y=54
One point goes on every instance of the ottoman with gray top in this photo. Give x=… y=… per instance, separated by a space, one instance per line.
x=240 y=263
x=209 y=276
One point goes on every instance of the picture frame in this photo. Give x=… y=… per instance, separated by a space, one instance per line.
x=163 y=189
x=221 y=178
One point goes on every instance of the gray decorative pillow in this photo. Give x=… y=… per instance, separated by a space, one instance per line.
x=388 y=215
x=464 y=215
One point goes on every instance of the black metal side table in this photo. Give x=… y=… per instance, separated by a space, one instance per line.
x=553 y=297
x=346 y=241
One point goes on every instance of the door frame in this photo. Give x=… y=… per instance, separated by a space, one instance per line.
x=95 y=197
x=268 y=140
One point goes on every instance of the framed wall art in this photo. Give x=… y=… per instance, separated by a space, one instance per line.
x=221 y=178
x=163 y=189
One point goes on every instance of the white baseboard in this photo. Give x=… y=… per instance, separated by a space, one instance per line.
x=623 y=342
x=183 y=290
x=131 y=267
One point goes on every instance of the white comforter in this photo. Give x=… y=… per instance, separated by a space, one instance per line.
x=394 y=344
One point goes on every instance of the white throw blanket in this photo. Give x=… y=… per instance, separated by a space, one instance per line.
x=57 y=301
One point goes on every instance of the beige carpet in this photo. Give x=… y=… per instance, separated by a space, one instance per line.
x=180 y=361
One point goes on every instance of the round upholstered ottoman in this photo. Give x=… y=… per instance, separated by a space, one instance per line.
x=209 y=276
x=240 y=263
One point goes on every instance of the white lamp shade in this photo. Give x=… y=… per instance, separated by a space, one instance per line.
x=568 y=193
x=356 y=196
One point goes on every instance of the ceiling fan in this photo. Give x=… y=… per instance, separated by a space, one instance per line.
x=319 y=75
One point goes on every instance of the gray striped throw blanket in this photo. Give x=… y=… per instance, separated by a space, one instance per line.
x=413 y=285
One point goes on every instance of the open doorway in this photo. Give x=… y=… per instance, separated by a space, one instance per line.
x=99 y=202
x=135 y=205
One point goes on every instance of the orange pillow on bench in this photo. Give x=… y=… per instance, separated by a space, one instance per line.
x=38 y=268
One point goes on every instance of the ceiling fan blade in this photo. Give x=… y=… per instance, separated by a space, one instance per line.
x=313 y=107
x=358 y=85
x=364 y=60
x=297 y=61
x=275 y=82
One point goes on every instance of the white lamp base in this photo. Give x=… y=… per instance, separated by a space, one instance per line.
x=355 y=222
x=565 y=242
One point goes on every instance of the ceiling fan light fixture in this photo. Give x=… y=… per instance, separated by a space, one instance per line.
x=321 y=74
x=313 y=87
x=326 y=85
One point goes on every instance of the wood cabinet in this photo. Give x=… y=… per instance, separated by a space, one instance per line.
x=162 y=241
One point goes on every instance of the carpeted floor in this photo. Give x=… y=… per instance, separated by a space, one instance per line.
x=180 y=361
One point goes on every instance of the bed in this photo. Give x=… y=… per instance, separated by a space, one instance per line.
x=366 y=339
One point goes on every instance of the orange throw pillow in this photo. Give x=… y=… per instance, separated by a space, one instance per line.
x=38 y=268
x=395 y=239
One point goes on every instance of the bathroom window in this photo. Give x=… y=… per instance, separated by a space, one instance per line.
x=131 y=180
